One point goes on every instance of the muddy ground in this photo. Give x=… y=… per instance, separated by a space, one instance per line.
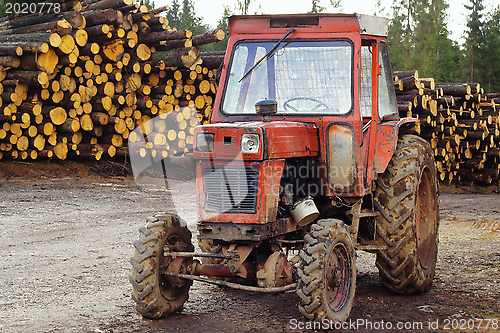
x=65 y=241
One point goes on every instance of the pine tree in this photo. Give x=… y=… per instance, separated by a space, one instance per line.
x=491 y=52
x=243 y=6
x=147 y=3
x=430 y=37
x=399 y=36
x=419 y=39
x=184 y=17
x=336 y=4
x=173 y=14
x=379 y=10
x=223 y=24
x=316 y=8
x=474 y=38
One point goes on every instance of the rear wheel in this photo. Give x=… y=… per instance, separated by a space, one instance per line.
x=155 y=293
x=327 y=272
x=407 y=198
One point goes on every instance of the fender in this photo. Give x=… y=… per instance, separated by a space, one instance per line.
x=386 y=140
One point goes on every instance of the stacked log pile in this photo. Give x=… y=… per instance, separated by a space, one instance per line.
x=76 y=83
x=461 y=123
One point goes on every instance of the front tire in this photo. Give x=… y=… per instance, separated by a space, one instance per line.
x=327 y=272
x=155 y=295
x=407 y=198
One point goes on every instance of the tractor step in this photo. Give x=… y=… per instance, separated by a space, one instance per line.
x=368 y=213
x=370 y=247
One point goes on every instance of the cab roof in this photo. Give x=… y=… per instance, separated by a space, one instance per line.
x=313 y=23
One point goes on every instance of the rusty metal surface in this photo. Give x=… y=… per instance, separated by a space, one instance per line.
x=200 y=255
x=267 y=197
x=232 y=284
x=326 y=23
x=342 y=166
x=246 y=271
x=291 y=139
x=230 y=232
x=277 y=271
x=283 y=139
x=385 y=144
x=386 y=141
x=373 y=25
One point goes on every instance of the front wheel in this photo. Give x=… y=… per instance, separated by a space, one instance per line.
x=327 y=272
x=156 y=295
x=407 y=198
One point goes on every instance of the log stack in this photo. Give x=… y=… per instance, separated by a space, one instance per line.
x=460 y=121
x=76 y=83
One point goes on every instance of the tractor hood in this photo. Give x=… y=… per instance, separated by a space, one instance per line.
x=256 y=140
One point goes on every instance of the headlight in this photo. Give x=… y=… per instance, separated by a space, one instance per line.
x=250 y=143
x=205 y=142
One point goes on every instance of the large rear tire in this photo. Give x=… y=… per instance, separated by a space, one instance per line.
x=155 y=294
x=407 y=198
x=327 y=272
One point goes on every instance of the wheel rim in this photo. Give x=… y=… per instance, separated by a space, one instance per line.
x=425 y=207
x=338 y=277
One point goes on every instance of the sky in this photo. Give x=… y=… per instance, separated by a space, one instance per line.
x=211 y=10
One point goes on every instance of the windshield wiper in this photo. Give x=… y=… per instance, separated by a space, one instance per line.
x=271 y=51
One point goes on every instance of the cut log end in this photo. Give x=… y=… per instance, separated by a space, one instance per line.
x=55 y=40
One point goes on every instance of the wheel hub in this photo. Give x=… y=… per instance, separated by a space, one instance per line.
x=339 y=277
x=335 y=279
x=176 y=265
x=277 y=271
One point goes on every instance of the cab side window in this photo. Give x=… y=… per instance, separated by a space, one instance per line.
x=365 y=98
x=386 y=94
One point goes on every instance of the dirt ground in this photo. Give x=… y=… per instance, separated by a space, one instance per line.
x=65 y=242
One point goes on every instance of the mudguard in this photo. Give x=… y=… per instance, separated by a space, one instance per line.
x=387 y=139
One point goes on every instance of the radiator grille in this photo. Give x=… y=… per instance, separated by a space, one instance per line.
x=230 y=189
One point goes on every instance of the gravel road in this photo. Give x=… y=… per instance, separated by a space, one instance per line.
x=65 y=245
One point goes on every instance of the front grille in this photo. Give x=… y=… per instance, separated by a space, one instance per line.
x=230 y=189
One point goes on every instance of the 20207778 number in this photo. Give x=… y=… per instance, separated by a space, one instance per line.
x=471 y=324
x=32 y=8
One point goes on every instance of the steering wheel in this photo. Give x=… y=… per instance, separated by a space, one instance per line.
x=287 y=105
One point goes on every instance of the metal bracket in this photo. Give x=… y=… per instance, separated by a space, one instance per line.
x=233 y=285
x=357 y=213
x=200 y=255
x=241 y=252
x=354 y=227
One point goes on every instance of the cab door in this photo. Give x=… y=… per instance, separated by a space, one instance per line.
x=381 y=129
x=386 y=136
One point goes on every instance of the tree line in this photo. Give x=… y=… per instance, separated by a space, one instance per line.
x=419 y=39
x=418 y=36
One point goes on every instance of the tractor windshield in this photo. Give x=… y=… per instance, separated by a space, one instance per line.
x=304 y=77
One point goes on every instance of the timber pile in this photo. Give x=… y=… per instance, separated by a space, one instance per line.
x=78 y=82
x=461 y=123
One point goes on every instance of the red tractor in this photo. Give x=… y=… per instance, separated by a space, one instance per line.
x=305 y=161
